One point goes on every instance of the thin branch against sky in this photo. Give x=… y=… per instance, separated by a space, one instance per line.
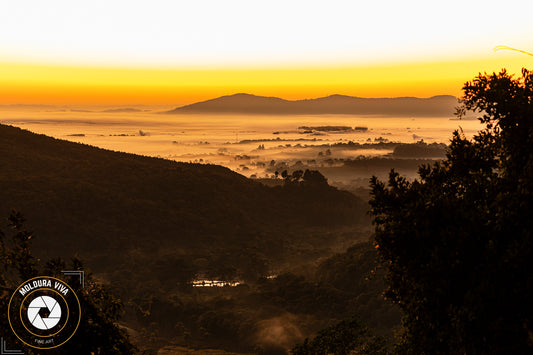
x=497 y=48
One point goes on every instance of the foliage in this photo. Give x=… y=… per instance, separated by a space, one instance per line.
x=125 y=201
x=420 y=149
x=307 y=177
x=272 y=314
x=149 y=226
x=457 y=243
x=346 y=337
x=97 y=332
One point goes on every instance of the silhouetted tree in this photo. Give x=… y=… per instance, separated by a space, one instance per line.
x=296 y=175
x=346 y=337
x=97 y=332
x=314 y=177
x=457 y=243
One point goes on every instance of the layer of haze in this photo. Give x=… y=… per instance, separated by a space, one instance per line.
x=244 y=143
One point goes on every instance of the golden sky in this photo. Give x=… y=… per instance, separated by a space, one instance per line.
x=24 y=83
x=169 y=52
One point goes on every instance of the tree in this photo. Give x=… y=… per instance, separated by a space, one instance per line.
x=346 y=337
x=457 y=242
x=98 y=332
x=314 y=177
x=296 y=176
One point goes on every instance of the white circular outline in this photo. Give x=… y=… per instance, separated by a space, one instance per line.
x=62 y=282
x=33 y=321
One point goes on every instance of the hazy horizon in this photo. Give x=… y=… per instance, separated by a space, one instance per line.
x=245 y=143
x=263 y=197
x=229 y=94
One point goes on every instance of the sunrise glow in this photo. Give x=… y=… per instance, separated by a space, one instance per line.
x=24 y=83
x=61 y=52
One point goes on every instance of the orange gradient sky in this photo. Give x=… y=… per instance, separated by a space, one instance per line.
x=23 y=83
x=173 y=53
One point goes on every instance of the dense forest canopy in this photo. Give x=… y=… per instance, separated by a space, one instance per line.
x=457 y=242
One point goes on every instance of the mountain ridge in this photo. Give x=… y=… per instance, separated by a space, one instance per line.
x=242 y=103
x=79 y=198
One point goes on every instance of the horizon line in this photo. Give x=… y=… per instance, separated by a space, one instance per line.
x=222 y=96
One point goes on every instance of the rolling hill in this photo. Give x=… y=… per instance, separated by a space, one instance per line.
x=101 y=204
x=335 y=104
x=149 y=226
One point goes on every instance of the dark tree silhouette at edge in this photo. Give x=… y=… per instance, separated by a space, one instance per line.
x=97 y=333
x=457 y=242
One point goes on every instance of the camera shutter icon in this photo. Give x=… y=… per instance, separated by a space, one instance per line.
x=44 y=312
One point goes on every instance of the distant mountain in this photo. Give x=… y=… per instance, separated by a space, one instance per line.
x=335 y=104
x=104 y=205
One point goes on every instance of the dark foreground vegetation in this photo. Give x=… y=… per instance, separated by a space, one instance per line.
x=265 y=316
x=97 y=333
x=455 y=245
x=458 y=243
x=149 y=227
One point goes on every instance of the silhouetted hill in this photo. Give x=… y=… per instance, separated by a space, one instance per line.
x=99 y=203
x=335 y=104
x=238 y=103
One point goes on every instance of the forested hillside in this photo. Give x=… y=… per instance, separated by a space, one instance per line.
x=84 y=199
x=149 y=226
